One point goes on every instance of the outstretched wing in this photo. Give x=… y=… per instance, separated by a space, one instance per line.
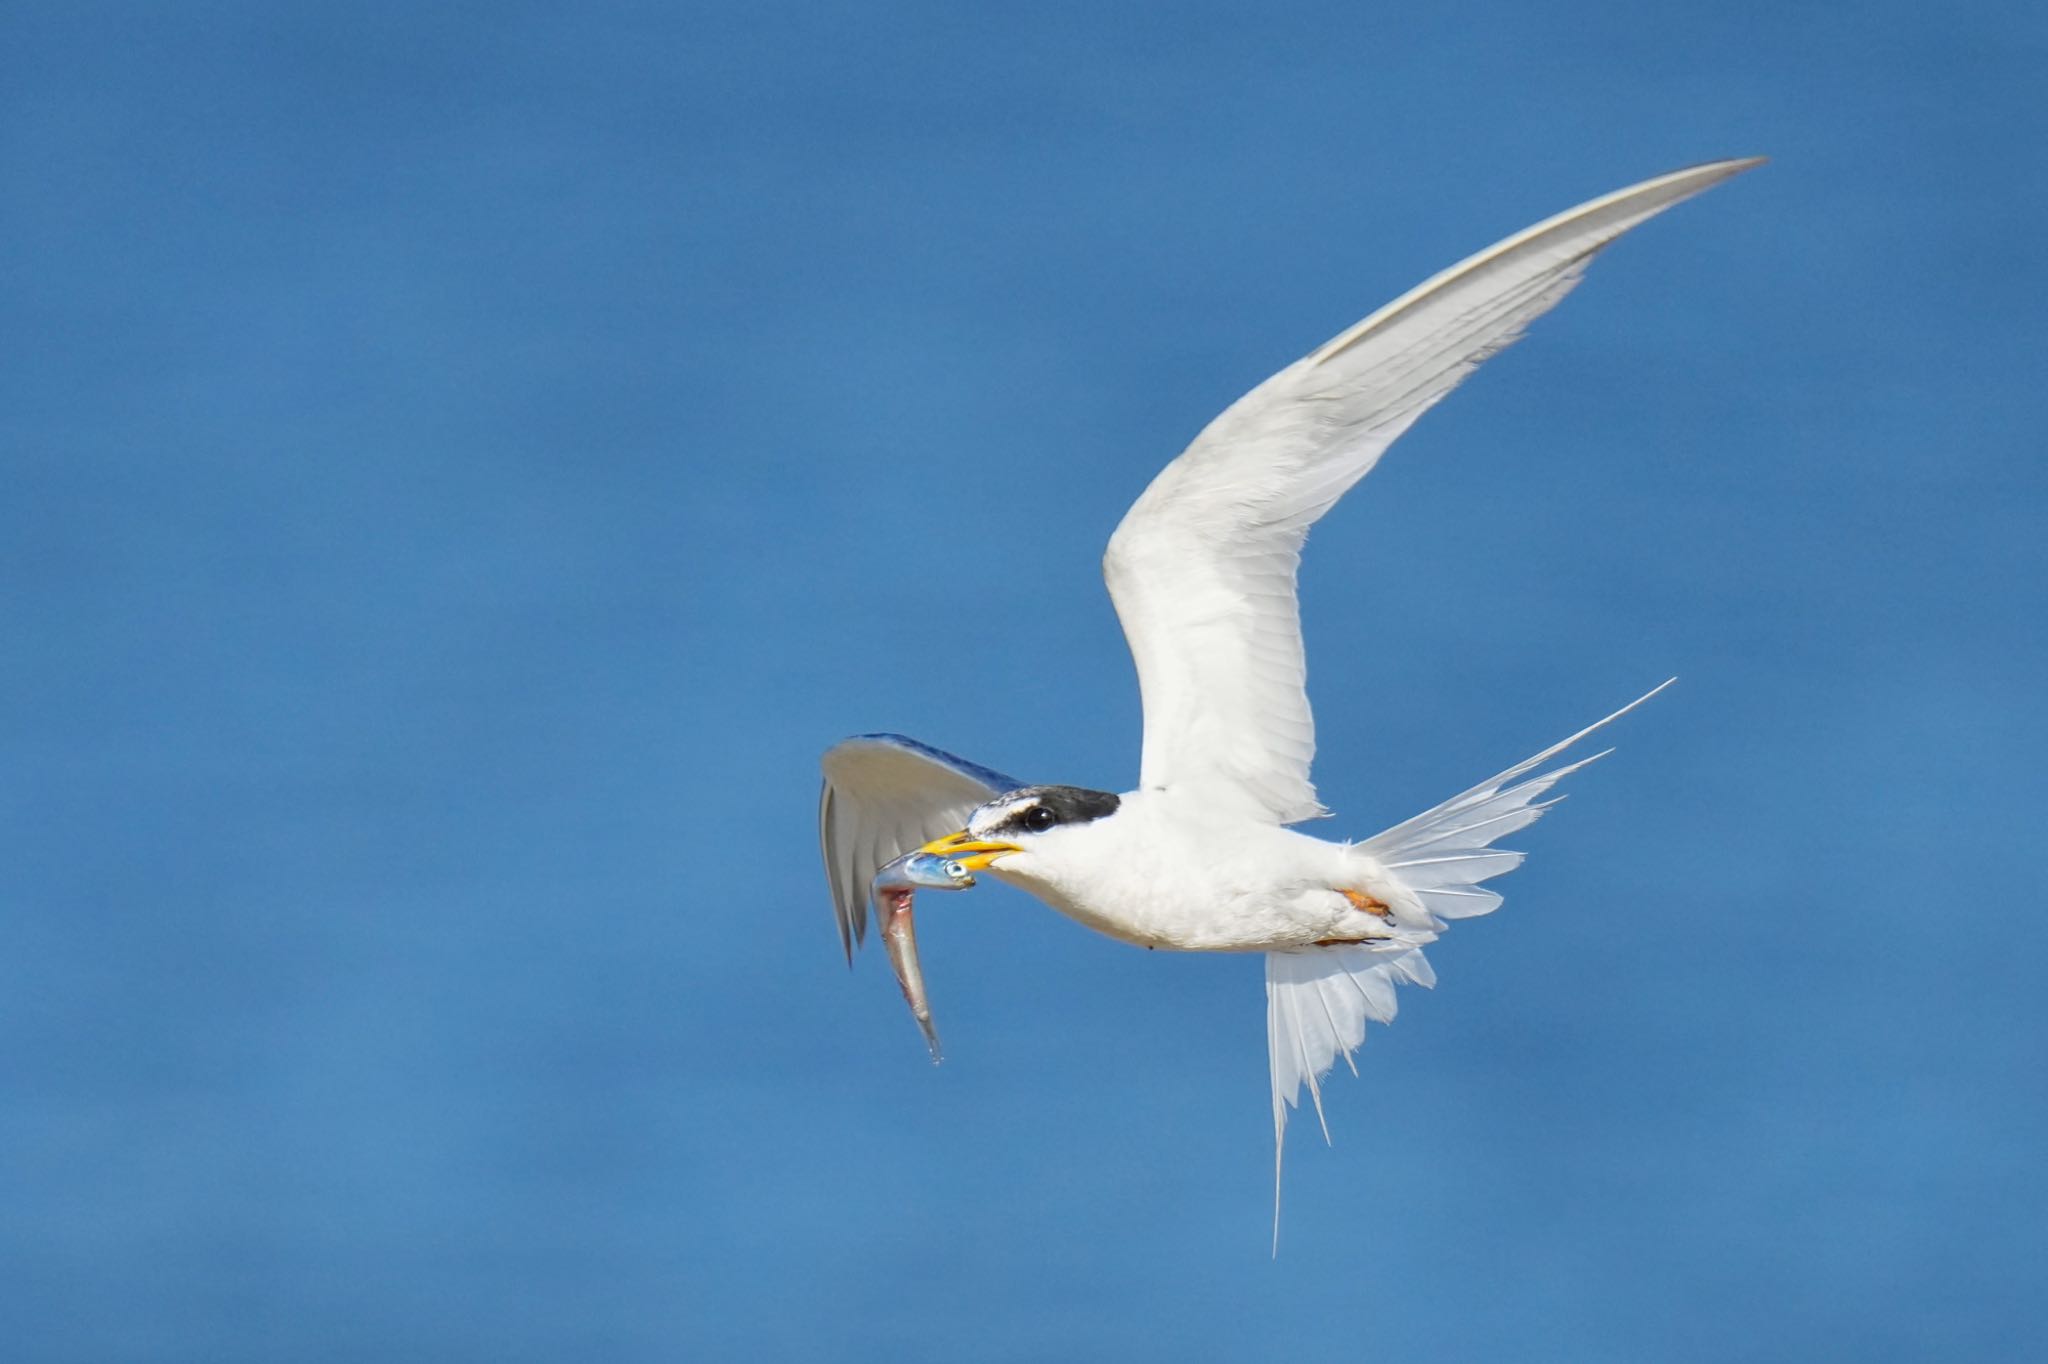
x=885 y=794
x=1202 y=569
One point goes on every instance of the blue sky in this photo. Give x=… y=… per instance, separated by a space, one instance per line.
x=464 y=463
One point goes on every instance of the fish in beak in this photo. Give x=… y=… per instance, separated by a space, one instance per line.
x=894 y=889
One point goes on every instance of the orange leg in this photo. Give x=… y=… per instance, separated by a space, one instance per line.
x=1360 y=900
x=1365 y=903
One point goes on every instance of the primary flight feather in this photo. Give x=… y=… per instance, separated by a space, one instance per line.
x=1202 y=572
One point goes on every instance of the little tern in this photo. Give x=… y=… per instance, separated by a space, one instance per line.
x=1199 y=858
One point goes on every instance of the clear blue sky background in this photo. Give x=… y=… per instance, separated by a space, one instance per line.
x=463 y=463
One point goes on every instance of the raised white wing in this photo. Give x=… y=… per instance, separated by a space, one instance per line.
x=885 y=794
x=1202 y=569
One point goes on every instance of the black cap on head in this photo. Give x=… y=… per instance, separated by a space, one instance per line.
x=1036 y=809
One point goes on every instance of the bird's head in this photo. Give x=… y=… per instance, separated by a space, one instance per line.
x=1017 y=821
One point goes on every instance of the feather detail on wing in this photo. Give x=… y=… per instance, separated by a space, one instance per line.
x=1318 y=1000
x=1202 y=568
x=883 y=795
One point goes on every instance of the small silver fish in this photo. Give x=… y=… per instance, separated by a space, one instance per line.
x=894 y=888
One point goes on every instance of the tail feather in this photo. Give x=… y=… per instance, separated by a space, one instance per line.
x=1318 y=1000
x=1317 y=1004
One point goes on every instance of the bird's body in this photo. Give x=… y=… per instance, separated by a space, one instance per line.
x=1202 y=571
x=1164 y=872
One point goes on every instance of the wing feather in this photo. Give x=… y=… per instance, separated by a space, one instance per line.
x=1202 y=569
x=883 y=795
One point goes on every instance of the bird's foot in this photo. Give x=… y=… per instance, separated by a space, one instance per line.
x=1361 y=901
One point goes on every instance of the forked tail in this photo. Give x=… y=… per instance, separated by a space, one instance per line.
x=1319 y=999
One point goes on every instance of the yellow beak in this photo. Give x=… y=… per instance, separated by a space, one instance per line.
x=972 y=853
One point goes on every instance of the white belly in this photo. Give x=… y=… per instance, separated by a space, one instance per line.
x=1147 y=878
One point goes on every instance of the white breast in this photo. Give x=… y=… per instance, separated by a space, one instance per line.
x=1158 y=873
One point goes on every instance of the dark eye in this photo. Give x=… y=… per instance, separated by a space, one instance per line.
x=1038 y=819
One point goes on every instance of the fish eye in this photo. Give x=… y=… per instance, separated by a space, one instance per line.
x=955 y=870
x=1038 y=819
